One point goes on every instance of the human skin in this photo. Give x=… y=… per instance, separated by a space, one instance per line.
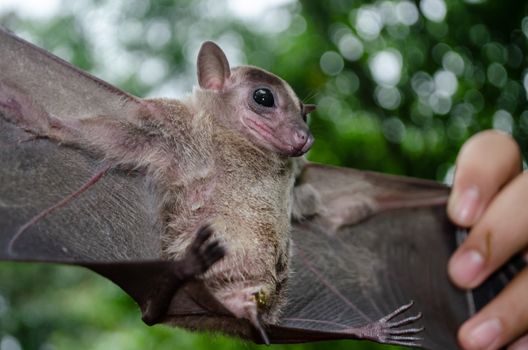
x=489 y=196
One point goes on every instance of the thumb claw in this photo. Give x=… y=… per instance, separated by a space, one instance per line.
x=255 y=322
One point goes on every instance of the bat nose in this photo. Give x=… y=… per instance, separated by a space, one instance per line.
x=300 y=137
x=302 y=140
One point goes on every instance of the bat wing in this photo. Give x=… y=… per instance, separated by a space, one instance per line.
x=35 y=83
x=110 y=222
x=349 y=281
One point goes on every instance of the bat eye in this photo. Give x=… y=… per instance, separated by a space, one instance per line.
x=264 y=97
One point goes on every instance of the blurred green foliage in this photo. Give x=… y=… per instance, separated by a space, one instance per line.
x=400 y=85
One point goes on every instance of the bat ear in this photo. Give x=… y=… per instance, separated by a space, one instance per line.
x=213 y=67
x=309 y=108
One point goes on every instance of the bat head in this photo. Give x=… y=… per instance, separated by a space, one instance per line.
x=259 y=105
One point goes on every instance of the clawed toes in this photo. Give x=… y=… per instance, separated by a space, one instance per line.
x=205 y=251
x=213 y=252
x=391 y=331
x=203 y=235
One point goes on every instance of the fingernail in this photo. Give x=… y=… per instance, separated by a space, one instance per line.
x=465 y=266
x=485 y=334
x=466 y=205
x=521 y=344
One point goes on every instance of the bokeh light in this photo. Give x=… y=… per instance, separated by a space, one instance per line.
x=388 y=97
x=453 y=62
x=331 y=63
x=502 y=120
x=407 y=13
x=385 y=67
x=434 y=10
x=350 y=47
x=368 y=22
x=8 y=342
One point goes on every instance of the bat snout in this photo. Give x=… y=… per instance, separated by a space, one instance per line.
x=302 y=141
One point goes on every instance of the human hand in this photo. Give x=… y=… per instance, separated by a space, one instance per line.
x=490 y=195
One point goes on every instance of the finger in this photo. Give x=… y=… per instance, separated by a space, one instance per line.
x=520 y=344
x=485 y=163
x=501 y=321
x=500 y=233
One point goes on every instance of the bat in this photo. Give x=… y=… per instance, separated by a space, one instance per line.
x=79 y=187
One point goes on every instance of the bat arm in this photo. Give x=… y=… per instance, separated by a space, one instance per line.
x=162 y=291
x=337 y=208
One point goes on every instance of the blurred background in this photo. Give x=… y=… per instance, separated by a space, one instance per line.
x=399 y=84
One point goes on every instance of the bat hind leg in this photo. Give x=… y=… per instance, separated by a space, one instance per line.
x=202 y=254
x=389 y=331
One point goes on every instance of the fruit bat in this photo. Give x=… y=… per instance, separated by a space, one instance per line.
x=93 y=176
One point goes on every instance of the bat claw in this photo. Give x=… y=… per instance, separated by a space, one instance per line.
x=203 y=235
x=213 y=252
x=203 y=252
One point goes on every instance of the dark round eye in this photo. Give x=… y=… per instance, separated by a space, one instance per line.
x=264 y=97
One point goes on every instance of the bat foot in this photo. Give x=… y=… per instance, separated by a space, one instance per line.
x=389 y=331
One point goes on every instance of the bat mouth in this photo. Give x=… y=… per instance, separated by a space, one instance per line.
x=264 y=133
